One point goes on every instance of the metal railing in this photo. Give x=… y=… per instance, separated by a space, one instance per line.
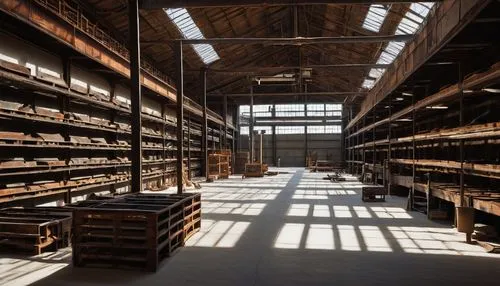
x=70 y=12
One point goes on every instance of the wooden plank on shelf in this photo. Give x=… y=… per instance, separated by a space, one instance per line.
x=15 y=68
x=445 y=94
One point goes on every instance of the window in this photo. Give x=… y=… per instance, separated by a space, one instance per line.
x=190 y=30
x=262 y=110
x=290 y=129
x=315 y=110
x=333 y=109
x=333 y=129
x=317 y=129
x=244 y=130
x=410 y=23
x=289 y=110
x=322 y=129
x=375 y=17
x=245 y=109
x=268 y=129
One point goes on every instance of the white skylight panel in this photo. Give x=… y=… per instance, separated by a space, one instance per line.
x=376 y=73
x=189 y=30
x=394 y=48
x=368 y=83
x=375 y=17
x=409 y=25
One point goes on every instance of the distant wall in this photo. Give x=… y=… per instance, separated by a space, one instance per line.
x=291 y=148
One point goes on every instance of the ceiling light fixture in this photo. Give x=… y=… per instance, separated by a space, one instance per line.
x=492 y=90
x=437 y=107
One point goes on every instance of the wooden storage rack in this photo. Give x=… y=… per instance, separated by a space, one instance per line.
x=432 y=153
x=103 y=163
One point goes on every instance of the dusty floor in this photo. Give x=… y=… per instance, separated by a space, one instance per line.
x=291 y=229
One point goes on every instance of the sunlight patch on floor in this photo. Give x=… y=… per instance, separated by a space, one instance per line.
x=289 y=236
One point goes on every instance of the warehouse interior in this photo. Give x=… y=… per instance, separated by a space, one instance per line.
x=154 y=142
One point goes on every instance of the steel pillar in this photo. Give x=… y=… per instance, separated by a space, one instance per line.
x=180 y=113
x=135 y=95
x=204 y=127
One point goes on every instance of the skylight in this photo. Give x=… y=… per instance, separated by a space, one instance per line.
x=190 y=30
x=375 y=17
x=409 y=25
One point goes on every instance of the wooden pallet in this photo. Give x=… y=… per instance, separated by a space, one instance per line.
x=136 y=231
x=373 y=194
x=34 y=229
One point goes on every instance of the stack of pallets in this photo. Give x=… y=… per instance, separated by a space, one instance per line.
x=218 y=166
x=137 y=231
x=242 y=158
x=34 y=229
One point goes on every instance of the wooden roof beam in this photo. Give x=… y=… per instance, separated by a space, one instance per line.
x=293 y=41
x=159 y=4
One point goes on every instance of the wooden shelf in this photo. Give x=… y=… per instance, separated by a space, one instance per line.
x=483 y=170
x=484 y=200
x=471 y=132
x=473 y=83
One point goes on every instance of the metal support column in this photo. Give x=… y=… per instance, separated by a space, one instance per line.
x=189 y=147
x=363 y=154
x=389 y=148
x=233 y=150
x=135 y=95
x=224 y=143
x=250 y=129
x=273 y=137
x=180 y=113
x=204 y=127
x=221 y=136
x=374 y=160
x=414 y=147
x=461 y=87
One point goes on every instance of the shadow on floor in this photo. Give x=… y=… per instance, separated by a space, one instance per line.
x=299 y=234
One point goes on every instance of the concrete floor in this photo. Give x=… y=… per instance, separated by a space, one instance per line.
x=291 y=229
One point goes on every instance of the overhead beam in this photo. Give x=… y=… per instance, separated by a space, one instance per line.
x=290 y=41
x=159 y=4
x=251 y=70
x=289 y=93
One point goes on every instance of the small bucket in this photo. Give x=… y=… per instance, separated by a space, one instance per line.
x=465 y=219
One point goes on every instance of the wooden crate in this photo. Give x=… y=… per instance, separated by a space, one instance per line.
x=373 y=194
x=134 y=231
x=35 y=229
x=192 y=209
x=254 y=170
x=219 y=166
x=242 y=158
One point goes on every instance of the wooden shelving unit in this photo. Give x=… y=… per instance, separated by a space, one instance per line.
x=59 y=141
x=434 y=142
